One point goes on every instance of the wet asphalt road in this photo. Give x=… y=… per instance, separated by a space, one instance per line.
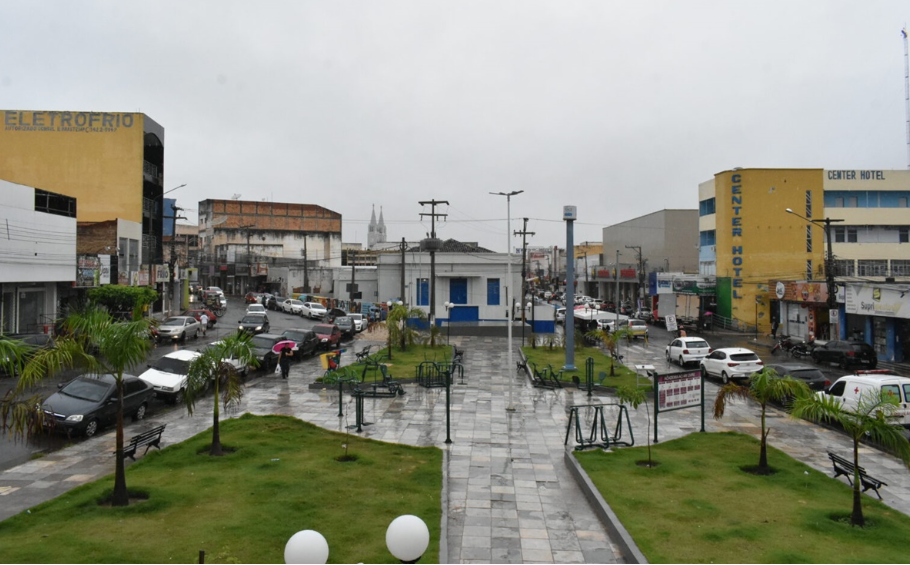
x=15 y=451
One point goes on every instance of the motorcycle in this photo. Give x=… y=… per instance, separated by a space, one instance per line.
x=784 y=344
x=802 y=349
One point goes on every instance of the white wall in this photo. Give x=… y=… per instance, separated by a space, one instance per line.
x=34 y=246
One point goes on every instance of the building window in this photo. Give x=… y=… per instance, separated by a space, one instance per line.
x=852 y=202
x=872 y=268
x=423 y=292
x=809 y=238
x=903 y=234
x=809 y=204
x=851 y=235
x=844 y=268
x=839 y=202
x=900 y=268
x=707 y=238
x=902 y=202
x=706 y=207
x=492 y=292
x=808 y=269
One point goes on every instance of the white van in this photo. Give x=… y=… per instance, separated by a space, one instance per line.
x=851 y=387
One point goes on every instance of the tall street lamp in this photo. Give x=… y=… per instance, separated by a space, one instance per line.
x=829 y=259
x=509 y=196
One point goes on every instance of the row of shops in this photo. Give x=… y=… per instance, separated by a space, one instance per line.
x=877 y=313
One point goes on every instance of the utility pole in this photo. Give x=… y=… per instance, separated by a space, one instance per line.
x=637 y=248
x=249 y=258
x=524 y=274
x=403 y=247
x=433 y=247
x=353 y=255
x=616 y=300
x=306 y=281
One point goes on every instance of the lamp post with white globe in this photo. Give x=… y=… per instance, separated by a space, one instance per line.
x=407 y=539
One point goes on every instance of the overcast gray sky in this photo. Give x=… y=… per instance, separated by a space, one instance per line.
x=618 y=108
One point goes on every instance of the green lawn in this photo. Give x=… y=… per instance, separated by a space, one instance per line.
x=403 y=364
x=698 y=506
x=543 y=356
x=243 y=507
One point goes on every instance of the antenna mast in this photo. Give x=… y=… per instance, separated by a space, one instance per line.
x=907 y=91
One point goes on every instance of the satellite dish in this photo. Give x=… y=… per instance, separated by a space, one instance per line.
x=235 y=197
x=219 y=220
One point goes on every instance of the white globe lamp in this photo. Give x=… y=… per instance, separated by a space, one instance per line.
x=407 y=538
x=306 y=546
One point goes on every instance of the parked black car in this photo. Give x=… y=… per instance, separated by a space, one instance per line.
x=845 y=353
x=812 y=376
x=346 y=325
x=307 y=341
x=262 y=345
x=254 y=324
x=274 y=302
x=86 y=403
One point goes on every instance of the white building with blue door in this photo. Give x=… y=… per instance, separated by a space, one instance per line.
x=474 y=279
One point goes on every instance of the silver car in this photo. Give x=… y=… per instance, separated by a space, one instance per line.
x=177 y=328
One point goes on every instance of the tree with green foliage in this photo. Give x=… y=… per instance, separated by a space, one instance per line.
x=611 y=341
x=400 y=332
x=216 y=366
x=870 y=418
x=119 y=298
x=763 y=387
x=91 y=340
x=635 y=397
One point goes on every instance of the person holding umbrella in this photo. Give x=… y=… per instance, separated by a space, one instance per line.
x=284 y=360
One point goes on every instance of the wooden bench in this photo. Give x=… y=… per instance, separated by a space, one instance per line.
x=151 y=438
x=846 y=468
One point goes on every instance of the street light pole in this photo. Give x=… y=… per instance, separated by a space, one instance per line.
x=829 y=259
x=509 y=196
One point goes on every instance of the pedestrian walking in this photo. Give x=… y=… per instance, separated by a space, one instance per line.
x=774 y=326
x=284 y=361
x=204 y=320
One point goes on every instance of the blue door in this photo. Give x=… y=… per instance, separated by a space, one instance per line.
x=458 y=291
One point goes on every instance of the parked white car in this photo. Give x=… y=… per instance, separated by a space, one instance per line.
x=178 y=328
x=292 y=306
x=314 y=310
x=731 y=363
x=168 y=375
x=685 y=350
x=359 y=324
x=256 y=309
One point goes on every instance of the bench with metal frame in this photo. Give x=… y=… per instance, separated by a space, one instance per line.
x=148 y=439
x=845 y=467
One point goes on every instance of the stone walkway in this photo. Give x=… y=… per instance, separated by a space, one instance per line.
x=510 y=497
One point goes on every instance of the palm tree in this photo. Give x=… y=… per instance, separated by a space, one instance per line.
x=635 y=397
x=216 y=365
x=397 y=326
x=93 y=341
x=611 y=342
x=763 y=387
x=868 y=419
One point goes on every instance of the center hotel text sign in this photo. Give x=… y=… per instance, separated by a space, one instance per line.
x=80 y=122
x=736 y=224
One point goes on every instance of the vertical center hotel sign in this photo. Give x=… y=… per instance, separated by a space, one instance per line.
x=736 y=227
